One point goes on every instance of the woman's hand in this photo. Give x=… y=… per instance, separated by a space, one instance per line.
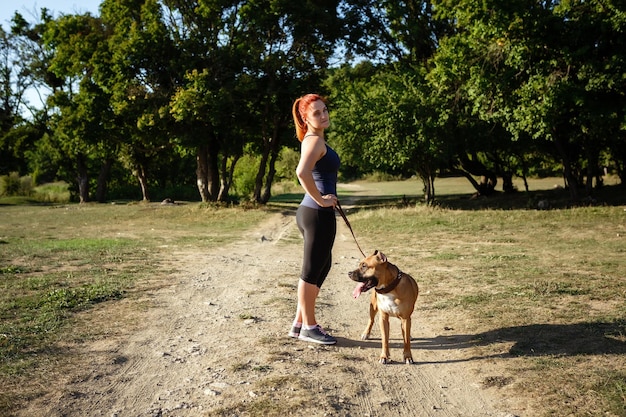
x=329 y=200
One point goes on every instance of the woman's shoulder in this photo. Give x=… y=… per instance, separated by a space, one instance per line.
x=315 y=145
x=314 y=141
x=312 y=137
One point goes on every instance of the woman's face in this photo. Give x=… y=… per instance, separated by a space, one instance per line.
x=317 y=115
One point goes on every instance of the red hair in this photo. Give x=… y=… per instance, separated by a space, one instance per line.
x=300 y=107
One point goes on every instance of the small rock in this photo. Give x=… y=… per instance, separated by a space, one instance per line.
x=543 y=205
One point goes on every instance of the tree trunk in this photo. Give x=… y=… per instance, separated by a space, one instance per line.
x=526 y=187
x=258 y=181
x=83 y=179
x=593 y=172
x=507 y=182
x=428 y=180
x=524 y=174
x=103 y=177
x=224 y=180
x=488 y=179
x=202 y=174
x=213 y=169
x=619 y=158
x=227 y=174
x=143 y=182
x=267 y=189
x=620 y=167
x=429 y=190
x=569 y=177
x=271 y=152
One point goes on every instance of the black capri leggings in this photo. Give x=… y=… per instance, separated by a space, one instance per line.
x=318 y=227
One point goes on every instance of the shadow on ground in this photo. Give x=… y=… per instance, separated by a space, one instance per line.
x=558 y=198
x=587 y=338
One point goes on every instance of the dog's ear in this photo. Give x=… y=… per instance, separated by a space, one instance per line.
x=381 y=257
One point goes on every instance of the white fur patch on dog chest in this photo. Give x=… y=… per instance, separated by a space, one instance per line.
x=387 y=303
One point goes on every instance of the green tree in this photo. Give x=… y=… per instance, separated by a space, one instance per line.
x=12 y=91
x=22 y=69
x=290 y=46
x=84 y=126
x=389 y=31
x=208 y=104
x=384 y=121
x=246 y=63
x=546 y=72
x=139 y=72
x=383 y=115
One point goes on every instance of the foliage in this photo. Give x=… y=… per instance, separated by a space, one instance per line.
x=14 y=185
x=286 y=165
x=549 y=75
x=244 y=176
x=52 y=193
x=165 y=93
x=384 y=122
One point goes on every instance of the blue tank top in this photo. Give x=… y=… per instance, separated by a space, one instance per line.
x=325 y=176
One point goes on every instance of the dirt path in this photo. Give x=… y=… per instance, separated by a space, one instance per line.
x=213 y=342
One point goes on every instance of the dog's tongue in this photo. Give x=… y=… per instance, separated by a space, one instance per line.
x=358 y=289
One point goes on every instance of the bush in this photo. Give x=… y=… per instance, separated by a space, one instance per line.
x=247 y=169
x=379 y=176
x=286 y=165
x=244 y=176
x=14 y=185
x=54 y=192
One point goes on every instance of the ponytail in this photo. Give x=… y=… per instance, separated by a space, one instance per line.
x=299 y=108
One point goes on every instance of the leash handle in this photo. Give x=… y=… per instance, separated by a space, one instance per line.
x=345 y=219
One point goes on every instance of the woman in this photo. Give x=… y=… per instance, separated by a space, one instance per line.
x=317 y=173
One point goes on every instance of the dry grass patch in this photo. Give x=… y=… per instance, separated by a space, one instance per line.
x=59 y=262
x=543 y=291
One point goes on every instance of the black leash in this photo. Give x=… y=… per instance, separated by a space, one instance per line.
x=345 y=219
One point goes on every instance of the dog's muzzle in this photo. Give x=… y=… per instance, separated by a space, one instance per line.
x=364 y=283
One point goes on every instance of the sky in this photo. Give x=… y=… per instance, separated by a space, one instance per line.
x=30 y=9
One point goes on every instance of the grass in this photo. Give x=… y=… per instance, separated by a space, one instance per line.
x=57 y=261
x=275 y=396
x=550 y=284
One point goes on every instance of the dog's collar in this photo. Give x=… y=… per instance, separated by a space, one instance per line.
x=391 y=286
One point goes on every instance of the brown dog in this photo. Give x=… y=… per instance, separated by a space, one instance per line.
x=394 y=295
